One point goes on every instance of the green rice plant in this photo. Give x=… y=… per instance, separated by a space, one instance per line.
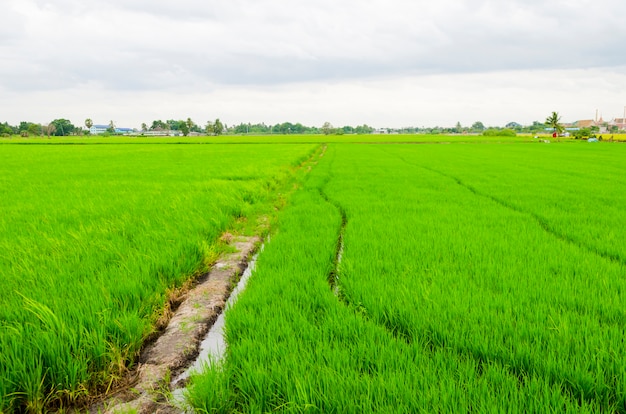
x=92 y=237
x=449 y=302
x=470 y=273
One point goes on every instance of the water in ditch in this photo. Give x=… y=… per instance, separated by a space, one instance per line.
x=213 y=346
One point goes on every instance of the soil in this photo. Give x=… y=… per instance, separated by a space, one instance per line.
x=178 y=346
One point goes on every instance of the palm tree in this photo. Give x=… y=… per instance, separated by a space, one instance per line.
x=88 y=123
x=553 y=122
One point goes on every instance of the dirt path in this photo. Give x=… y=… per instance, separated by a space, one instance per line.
x=179 y=344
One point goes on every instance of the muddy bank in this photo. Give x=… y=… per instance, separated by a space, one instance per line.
x=178 y=346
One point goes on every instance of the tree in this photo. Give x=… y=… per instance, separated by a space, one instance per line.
x=158 y=125
x=6 y=130
x=190 y=124
x=144 y=127
x=62 y=127
x=209 y=128
x=111 y=127
x=582 y=133
x=50 y=129
x=218 y=127
x=553 y=121
x=535 y=128
x=173 y=124
x=35 y=129
x=364 y=129
x=184 y=128
x=478 y=126
x=327 y=128
x=23 y=127
x=88 y=123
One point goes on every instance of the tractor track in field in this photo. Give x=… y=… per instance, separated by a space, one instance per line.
x=542 y=222
x=434 y=340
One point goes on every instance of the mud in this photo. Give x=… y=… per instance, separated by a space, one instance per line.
x=178 y=346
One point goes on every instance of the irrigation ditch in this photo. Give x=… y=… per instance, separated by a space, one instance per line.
x=193 y=336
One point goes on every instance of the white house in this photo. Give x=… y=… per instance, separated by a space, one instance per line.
x=101 y=129
x=98 y=129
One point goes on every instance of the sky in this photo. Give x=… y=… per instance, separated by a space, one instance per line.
x=384 y=63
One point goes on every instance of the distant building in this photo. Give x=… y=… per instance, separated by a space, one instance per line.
x=101 y=129
x=620 y=123
x=98 y=129
x=585 y=123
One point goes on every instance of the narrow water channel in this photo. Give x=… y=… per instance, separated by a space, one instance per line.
x=213 y=346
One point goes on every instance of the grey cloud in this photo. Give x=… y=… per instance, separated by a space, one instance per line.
x=190 y=44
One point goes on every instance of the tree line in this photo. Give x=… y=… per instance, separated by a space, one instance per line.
x=64 y=127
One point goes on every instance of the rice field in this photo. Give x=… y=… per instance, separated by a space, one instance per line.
x=279 y=139
x=94 y=239
x=399 y=277
x=437 y=278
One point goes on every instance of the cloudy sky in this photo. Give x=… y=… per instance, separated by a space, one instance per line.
x=386 y=63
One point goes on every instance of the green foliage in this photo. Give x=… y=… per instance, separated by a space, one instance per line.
x=5 y=129
x=184 y=128
x=62 y=127
x=218 y=127
x=553 y=121
x=582 y=133
x=495 y=132
x=158 y=125
x=478 y=126
x=363 y=129
x=327 y=128
x=34 y=129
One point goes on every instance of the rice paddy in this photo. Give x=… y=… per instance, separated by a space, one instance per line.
x=472 y=278
x=399 y=278
x=93 y=239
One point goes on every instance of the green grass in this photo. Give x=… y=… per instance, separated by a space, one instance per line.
x=480 y=278
x=92 y=239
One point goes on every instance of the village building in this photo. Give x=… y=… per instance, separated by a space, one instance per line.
x=101 y=129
